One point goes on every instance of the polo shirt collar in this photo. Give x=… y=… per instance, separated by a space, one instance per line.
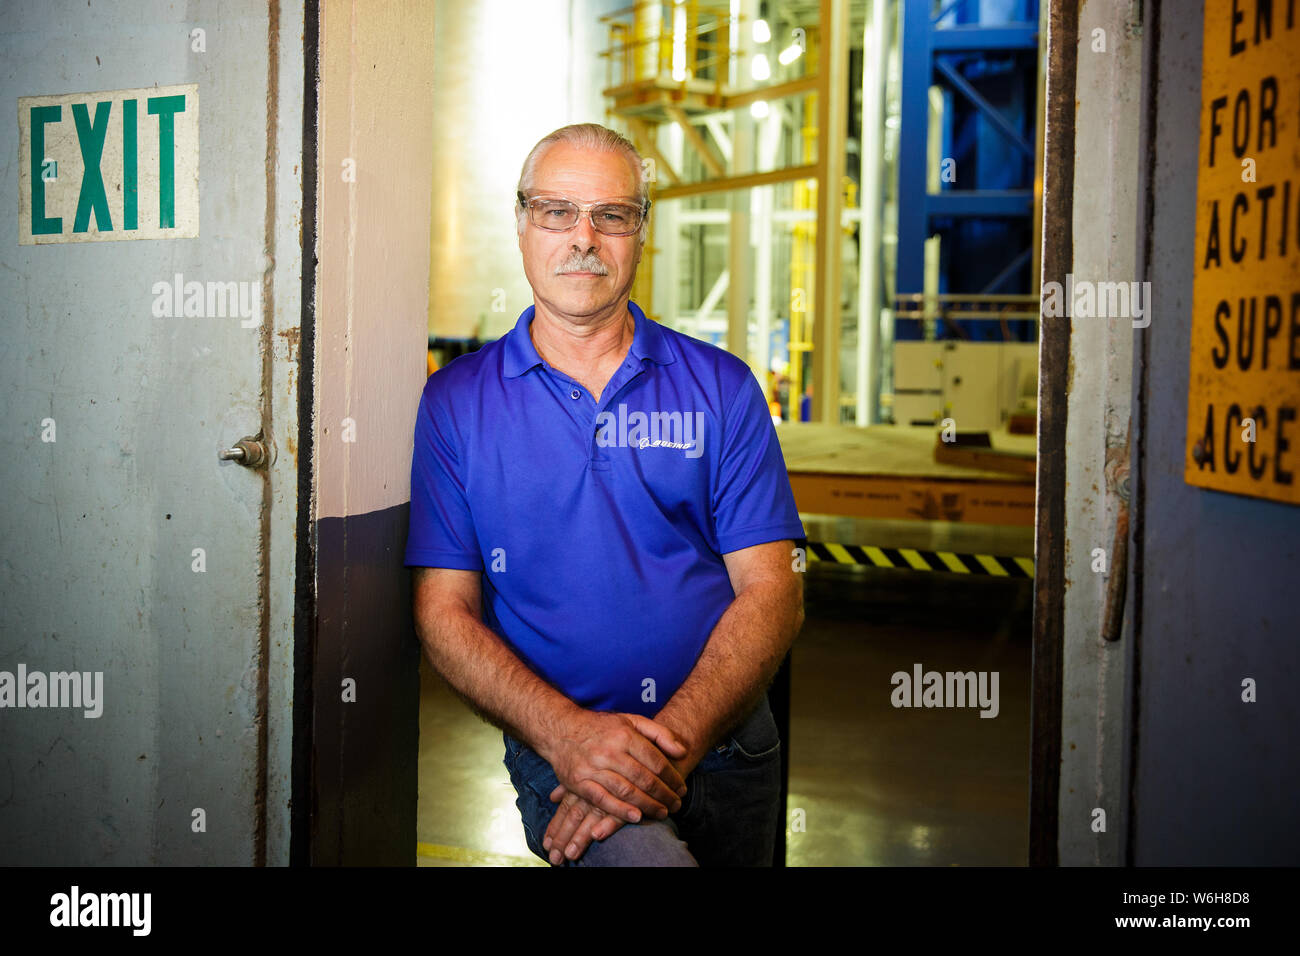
x=648 y=342
x=648 y=339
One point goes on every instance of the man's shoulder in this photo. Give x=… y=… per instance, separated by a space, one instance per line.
x=729 y=370
x=463 y=374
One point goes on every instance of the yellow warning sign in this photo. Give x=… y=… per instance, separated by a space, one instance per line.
x=1244 y=384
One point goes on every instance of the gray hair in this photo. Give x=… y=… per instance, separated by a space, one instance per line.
x=591 y=137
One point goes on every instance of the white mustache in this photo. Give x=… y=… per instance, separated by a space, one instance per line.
x=589 y=262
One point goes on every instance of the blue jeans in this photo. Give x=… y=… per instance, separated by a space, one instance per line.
x=728 y=817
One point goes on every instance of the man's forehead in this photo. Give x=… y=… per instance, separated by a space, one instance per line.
x=564 y=167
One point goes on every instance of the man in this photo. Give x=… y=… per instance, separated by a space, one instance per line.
x=602 y=529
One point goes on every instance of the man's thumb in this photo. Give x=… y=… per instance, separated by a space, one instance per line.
x=664 y=739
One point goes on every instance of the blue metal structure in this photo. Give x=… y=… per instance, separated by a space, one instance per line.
x=984 y=54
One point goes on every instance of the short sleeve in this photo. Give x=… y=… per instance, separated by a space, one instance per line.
x=441 y=533
x=753 y=503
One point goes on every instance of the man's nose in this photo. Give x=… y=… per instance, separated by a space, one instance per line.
x=584 y=233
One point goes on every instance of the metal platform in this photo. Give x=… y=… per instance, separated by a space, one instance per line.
x=889 y=471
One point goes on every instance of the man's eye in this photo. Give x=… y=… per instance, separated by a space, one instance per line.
x=616 y=217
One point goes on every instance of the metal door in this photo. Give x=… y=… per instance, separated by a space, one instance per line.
x=133 y=551
x=1214 y=774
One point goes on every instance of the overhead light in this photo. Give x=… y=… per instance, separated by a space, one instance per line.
x=790 y=54
x=760 y=69
x=761 y=32
x=758 y=109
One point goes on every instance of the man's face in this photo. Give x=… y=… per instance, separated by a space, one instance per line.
x=564 y=268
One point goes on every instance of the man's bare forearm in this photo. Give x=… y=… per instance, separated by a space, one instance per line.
x=489 y=677
x=742 y=655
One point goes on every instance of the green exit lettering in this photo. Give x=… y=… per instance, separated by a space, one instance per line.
x=92 y=200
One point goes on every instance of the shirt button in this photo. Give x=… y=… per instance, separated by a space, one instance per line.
x=575 y=394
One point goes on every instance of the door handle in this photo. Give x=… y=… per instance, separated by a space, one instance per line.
x=250 y=451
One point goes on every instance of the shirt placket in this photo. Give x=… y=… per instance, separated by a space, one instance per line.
x=627 y=373
x=571 y=396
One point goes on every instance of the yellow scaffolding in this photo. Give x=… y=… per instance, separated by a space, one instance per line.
x=669 y=61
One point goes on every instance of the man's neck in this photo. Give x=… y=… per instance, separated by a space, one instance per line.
x=587 y=352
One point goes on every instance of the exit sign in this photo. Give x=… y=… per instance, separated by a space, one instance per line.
x=118 y=164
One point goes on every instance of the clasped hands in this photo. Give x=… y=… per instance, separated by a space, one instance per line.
x=613 y=768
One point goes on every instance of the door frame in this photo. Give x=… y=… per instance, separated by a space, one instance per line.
x=1046 y=673
x=302 y=810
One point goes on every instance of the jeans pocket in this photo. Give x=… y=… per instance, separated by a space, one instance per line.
x=757 y=739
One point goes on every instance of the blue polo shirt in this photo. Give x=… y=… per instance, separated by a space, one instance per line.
x=599 y=526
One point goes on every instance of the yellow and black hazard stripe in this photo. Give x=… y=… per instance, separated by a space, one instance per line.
x=912 y=559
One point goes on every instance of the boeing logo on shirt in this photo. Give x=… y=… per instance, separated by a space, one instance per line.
x=680 y=430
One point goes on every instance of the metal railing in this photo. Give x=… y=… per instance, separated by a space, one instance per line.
x=954 y=307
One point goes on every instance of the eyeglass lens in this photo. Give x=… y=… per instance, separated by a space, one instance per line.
x=612 y=219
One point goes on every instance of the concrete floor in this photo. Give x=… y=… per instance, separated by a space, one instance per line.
x=877 y=785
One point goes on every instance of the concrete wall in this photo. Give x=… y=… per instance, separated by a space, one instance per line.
x=376 y=148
